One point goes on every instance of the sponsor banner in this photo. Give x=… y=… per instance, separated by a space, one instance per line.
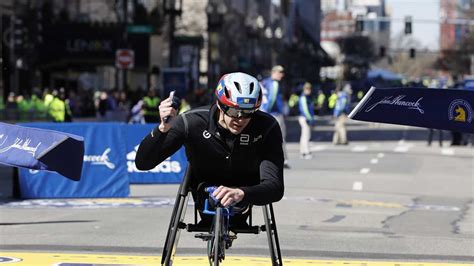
x=41 y=149
x=447 y=109
x=170 y=171
x=104 y=168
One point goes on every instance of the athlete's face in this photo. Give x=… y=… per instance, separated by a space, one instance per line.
x=234 y=125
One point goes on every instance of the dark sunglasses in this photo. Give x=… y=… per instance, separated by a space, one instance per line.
x=238 y=113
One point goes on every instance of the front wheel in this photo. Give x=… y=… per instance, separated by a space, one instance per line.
x=215 y=244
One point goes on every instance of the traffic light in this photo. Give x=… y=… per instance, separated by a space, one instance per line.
x=36 y=26
x=359 y=27
x=408 y=25
x=19 y=33
x=412 y=52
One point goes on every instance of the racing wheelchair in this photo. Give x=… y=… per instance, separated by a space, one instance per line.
x=220 y=233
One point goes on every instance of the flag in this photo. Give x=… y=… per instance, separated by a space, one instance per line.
x=42 y=149
x=448 y=109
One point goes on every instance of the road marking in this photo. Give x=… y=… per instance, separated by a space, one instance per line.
x=49 y=259
x=401 y=148
x=157 y=203
x=447 y=151
x=364 y=170
x=380 y=155
x=90 y=203
x=374 y=161
x=318 y=148
x=366 y=203
x=357 y=186
x=359 y=148
x=433 y=207
x=369 y=203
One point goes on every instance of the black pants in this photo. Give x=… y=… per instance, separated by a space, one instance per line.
x=430 y=136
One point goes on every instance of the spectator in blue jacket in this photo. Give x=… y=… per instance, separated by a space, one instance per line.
x=306 y=120
x=273 y=102
x=341 y=110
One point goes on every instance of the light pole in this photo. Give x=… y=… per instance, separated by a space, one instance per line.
x=172 y=8
x=125 y=39
x=215 y=11
x=253 y=25
x=273 y=36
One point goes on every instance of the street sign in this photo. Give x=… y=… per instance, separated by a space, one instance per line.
x=139 y=29
x=124 y=59
x=175 y=79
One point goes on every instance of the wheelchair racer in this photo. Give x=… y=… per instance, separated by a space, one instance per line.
x=230 y=144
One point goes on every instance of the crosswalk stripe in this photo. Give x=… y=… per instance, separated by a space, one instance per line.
x=318 y=148
x=447 y=151
x=364 y=170
x=359 y=148
x=357 y=186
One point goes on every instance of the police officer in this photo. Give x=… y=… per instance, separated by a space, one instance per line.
x=58 y=108
x=150 y=102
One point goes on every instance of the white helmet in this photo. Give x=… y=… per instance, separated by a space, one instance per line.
x=239 y=91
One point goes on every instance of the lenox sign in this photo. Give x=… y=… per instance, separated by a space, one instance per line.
x=82 y=45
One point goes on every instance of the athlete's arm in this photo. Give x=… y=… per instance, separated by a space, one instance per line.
x=271 y=187
x=157 y=146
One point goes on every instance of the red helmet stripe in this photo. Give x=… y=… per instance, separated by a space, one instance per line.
x=227 y=102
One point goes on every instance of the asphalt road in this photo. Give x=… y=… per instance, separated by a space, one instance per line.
x=385 y=196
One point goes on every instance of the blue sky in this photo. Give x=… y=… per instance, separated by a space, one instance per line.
x=426 y=33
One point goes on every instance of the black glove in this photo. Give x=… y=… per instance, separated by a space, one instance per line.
x=175 y=105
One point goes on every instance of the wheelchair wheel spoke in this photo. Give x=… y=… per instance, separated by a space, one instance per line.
x=217 y=236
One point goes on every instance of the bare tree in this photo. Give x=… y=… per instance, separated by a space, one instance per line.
x=399 y=60
x=359 y=53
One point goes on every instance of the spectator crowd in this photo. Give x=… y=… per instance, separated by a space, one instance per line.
x=281 y=99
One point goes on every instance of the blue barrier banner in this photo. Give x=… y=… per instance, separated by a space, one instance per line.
x=448 y=109
x=469 y=83
x=41 y=149
x=104 y=172
x=170 y=171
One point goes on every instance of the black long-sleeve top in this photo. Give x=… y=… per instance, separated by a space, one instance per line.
x=251 y=161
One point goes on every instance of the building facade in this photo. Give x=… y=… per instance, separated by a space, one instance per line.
x=339 y=20
x=452 y=33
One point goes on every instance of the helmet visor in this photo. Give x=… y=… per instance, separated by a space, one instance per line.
x=238 y=113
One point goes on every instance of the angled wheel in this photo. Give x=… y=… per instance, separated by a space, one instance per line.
x=177 y=216
x=215 y=245
x=272 y=235
x=173 y=233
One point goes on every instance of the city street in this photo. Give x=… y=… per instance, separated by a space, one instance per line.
x=384 y=199
x=88 y=179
